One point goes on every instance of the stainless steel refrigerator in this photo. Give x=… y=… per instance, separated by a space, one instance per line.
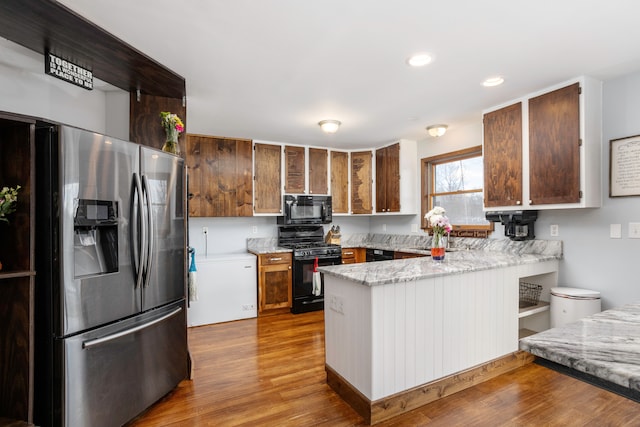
x=110 y=309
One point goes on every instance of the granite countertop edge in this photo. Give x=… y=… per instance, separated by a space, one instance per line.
x=413 y=269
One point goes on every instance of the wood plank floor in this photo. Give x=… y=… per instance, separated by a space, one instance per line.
x=270 y=372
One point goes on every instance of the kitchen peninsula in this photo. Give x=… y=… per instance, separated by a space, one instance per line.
x=400 y=334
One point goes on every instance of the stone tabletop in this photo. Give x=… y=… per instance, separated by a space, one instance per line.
x=605 y=345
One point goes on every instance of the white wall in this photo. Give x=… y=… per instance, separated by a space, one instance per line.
x=26 y=89
x=592 y=260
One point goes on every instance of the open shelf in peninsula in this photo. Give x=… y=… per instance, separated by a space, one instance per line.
x=540 y=307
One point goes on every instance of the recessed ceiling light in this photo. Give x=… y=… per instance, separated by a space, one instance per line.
x=419 y=60
x=493 y=81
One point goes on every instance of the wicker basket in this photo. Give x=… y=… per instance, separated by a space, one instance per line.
x=529 y=294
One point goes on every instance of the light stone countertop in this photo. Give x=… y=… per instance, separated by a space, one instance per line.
x=605 y=345
x=404 y=270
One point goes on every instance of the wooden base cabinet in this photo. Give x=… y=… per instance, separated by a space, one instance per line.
x=543 y=151
x=353 y=255
x=274 y=282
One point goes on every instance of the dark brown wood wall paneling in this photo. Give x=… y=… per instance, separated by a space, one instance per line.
x=144 y=119
x=44 y=24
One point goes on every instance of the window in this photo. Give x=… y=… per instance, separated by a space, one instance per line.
x=455 y=182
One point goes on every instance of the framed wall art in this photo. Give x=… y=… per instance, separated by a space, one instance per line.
x=624 y=167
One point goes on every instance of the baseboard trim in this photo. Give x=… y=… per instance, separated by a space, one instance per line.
x=400 y=403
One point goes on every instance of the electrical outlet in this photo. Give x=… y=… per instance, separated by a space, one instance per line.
x=384 y=227
x=248 y=307
x=634 y=230
x=205 y=230
x=254 y=229
x=414 y=228
x=615 y=231
x=554 y=230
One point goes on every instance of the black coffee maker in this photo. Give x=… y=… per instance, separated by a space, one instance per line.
x=518 y=225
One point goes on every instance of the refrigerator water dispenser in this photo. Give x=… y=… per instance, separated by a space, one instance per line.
x=95 y=237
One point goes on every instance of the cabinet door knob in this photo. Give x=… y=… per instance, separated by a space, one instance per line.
x=518 y=202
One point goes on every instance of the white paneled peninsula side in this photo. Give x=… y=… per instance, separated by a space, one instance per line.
x=400 y=334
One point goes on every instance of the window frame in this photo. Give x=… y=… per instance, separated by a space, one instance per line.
x=426 y=190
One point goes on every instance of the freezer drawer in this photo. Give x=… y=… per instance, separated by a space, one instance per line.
x=116 y=372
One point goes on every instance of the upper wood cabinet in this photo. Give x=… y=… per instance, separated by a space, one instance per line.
x=554 y=146
x=361 y=182
x=396 y=178
x=560 y=145
x=297 y=170
x=503 y=156
x=220 y=179
x=294 y=169
x=267 y=190
x=388 y=179
x=318 y=171
x=340 y=181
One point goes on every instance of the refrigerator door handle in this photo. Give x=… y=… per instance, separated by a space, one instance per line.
x=149 y=231
x=137 y=235
x=111 y=337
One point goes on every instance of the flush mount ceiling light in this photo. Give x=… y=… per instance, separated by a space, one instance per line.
x=493 y=81
x=437 y=130
x=419 y=60
x=329 y=126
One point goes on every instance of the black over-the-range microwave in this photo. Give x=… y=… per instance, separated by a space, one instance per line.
x=304 y=209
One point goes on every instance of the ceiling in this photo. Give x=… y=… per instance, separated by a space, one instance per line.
x=272 y=69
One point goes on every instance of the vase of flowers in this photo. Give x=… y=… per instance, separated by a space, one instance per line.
x=8 y=199
x=440 y=226
x=173 y=127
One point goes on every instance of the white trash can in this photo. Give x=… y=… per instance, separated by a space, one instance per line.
x=571 y=304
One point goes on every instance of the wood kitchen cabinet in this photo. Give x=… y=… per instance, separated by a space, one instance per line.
x=361 y=182
x=561 y=149
x=17 y=274
x=388 y=179
x=220 y=183
x=554 y=146
x=274 y=282
x=267 y=189
x=294 y=169
x=318 y=171
x=340 y=181
x=296 y=172
x=503 y=156
x=353 y=255
x=396 y=178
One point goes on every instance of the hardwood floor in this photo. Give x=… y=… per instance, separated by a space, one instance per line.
x=270 y=372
